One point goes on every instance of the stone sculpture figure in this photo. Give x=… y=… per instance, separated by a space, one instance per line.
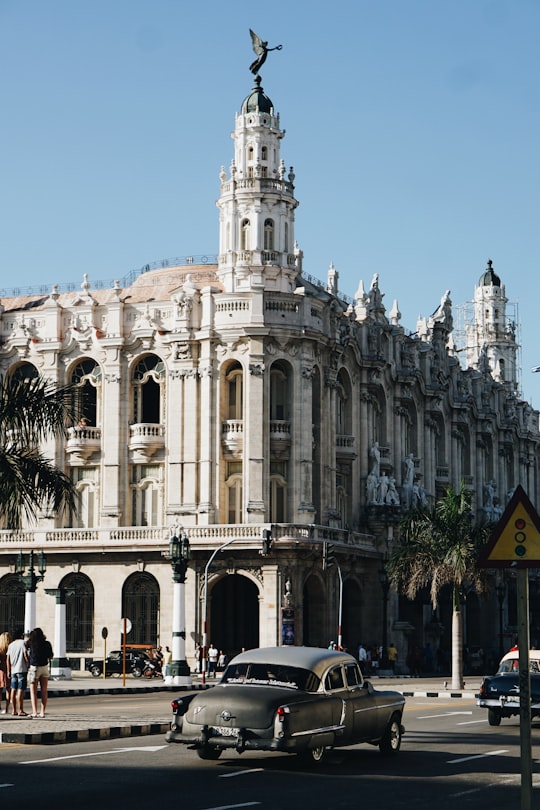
x=261 y=51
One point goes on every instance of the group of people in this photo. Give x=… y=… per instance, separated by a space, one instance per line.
x=24 y=662
x=216 y=660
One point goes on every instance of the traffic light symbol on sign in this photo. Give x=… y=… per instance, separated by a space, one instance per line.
x=520 y=537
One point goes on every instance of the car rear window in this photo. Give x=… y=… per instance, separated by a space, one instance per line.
x=271 y=675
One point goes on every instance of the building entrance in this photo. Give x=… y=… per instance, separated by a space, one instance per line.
x=234 y=615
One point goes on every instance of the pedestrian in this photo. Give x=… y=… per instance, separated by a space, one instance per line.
x=392 y=656
x=222 y=661
x=212 y=660
x=198 y=658
x=17 y=669
x=167 y=659
x=362 y=658
x=5 y=640
x=39 y=654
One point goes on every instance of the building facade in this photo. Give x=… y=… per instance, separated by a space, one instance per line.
x=231 y=397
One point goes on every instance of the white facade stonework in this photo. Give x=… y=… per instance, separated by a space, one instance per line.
x=222 y=399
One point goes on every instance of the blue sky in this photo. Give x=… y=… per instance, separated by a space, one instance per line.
x=413 y=127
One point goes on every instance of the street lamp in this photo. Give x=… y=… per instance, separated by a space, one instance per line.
x=30 y=580
x=385 y=586
x=500 y=589
x=178 y=671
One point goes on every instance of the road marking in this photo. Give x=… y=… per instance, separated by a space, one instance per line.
x=477 y=756
x=239 y=773
x=7 y=784
x=231 y=806
x=471 y=722
x=446 y=714
x=144 y=749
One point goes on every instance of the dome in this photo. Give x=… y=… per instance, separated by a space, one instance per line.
x=489 y=278
x=257 y=100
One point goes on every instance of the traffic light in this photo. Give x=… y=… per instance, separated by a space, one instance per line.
x=266 y=542
x=329 y=555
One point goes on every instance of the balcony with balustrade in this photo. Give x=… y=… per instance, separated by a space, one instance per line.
x=83 y=442
x=145 y=439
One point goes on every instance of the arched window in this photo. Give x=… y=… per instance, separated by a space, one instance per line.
x=233 y=483
x=148 y=379
x=140 y=603
x=12 y=599
x=85 y=514
x=269 y=234
x=146 y=495
x=286 y=240
x=279 y=392
x=244 y=235
x=278 y=492
x=25 y=371
x=87 y=377
x=79 y=612
x=235 y=392
x=264 y=153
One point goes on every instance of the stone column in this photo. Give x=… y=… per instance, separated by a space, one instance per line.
x=60 y=668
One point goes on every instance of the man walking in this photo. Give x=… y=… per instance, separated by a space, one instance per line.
x=17 y=672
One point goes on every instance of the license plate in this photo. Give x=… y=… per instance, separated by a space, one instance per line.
x=225 y=731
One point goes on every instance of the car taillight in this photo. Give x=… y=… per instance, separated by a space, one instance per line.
x=175 y=704
x=281 y=712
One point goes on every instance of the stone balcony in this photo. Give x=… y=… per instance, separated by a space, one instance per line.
x=83 y=441
x=137 y=539
x=280 y=438
x=345 y=446
x=232 y=438
x=145 y=439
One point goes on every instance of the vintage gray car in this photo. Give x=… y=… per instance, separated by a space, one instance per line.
x=299 y=700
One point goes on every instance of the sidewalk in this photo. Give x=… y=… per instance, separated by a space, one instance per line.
x=80 y=727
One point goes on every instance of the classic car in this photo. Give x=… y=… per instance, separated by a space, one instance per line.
x=301 y=700
x=113 y=664
x=499 y=693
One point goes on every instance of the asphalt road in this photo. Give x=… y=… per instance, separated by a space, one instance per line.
x=450 y=758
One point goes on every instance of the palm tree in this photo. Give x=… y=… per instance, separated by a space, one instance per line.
x=31 y=411
x=438 y=547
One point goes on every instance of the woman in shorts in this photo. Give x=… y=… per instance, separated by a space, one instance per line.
x=39 y=654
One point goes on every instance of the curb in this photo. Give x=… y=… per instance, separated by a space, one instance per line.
x=84 y=735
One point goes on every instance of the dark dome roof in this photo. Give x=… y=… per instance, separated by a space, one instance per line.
x=257 y=100
x=489 y=278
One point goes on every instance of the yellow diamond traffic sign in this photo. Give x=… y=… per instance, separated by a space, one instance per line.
x=515 y=541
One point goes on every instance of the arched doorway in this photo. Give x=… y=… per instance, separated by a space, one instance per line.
x=140 y=604
x=234 y=614
x=79 y=612
x=11 y=604
x=314 y=599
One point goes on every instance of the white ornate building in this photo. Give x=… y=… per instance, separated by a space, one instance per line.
x=232 y=396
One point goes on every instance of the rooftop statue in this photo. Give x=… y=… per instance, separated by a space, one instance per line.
x=261 y=50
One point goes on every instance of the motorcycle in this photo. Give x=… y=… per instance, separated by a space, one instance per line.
x=151 y=670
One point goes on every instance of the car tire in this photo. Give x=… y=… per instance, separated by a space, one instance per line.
x=494 y=718
x=136 y=672
x=314 y=756
x=96 y=672
x=209 y=753
x=391 y=740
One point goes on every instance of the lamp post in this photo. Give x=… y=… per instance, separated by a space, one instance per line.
x=385 y=586
x=500 y=589
x=30 y=580
x=178 y=671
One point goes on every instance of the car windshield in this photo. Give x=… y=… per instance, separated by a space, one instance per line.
x=512 y=665
x=271 y=675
